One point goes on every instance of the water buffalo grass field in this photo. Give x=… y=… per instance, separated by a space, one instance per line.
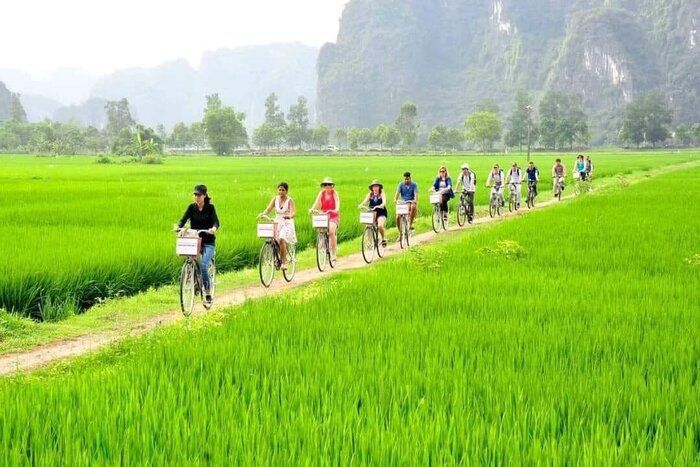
x=76 y=232
x=570 y=335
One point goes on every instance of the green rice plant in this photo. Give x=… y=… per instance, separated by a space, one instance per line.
x=90 y=231
x=586 y=350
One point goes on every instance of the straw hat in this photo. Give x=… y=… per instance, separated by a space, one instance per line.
x=327 y=181
x=376 y=182
x=465 y=166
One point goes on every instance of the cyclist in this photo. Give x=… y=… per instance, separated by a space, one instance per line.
x=408 y=192
x=377 y=202
x=496 y=178
x=443 y=185
x=581 y=167
x=467 y=180
x=589 y=167
x=202 y=216
x=533 y=176
x=515 y=177
x=285 y=210
x=328 y=201
x=558 y=173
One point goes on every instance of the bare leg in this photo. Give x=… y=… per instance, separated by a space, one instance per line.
x=381 y=222
x=283 y=251
x=332 y=239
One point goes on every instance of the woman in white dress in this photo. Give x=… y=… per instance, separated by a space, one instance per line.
x=285 y=211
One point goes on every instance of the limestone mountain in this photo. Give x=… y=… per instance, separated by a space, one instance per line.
x=448 y=55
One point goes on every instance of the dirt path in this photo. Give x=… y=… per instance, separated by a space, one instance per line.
x=63 y=349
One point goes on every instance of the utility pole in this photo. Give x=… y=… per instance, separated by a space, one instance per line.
x=529 y=124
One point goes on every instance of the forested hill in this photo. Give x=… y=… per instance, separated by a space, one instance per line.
x=448 y=55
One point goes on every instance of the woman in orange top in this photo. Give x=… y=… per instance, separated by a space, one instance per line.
x=328 y=202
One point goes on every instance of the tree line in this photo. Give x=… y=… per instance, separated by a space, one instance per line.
x=558 y=122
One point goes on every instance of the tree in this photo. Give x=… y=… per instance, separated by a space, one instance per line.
x=438 y=137
x=273 y=116
x=574 y=126
x=17 y=112
x=161 y=132
x=483 y=128
x=223 y=126
x=118 y=117
x=454 y=138
x=366 y=137
x=646 y=119
x=354 y=138
x=197 y=135
x=265 y=136
x=562 y=120
x=520 y=121
x=180 y=137
x=407 y=124
x=298 y=125
x=696 y=133
x=551 y=113
x=341 y=138
x=319 y=136
x=387 y=136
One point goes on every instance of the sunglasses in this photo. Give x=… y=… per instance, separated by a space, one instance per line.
x=443 y=171
x=198 y=194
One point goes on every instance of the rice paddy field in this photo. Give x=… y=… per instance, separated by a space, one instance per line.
x=568 y=336
x=76 y=232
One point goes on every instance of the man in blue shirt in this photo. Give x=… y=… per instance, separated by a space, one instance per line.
x=533 y=176
x=407 y=192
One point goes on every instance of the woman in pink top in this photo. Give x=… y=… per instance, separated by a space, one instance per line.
x=328 y=202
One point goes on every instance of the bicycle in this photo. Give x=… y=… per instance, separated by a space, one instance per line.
x=271 y=253
x=558 y=187
x=189 y=245
x=513 y=197
x=439 y=219
x=370 y=238
x=320 y=221
x=465 y=212
x=531 y=193
x=496 y=201
x=403 y=211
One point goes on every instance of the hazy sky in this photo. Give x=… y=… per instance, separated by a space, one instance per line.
x=104 y=35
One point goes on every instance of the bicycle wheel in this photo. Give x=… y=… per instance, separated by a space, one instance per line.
x=511 y=202
x=291 y=262
x=499 y=206
x=407 y=232
x=402 y=233
x=321 y=253
x=558 y=195
x=530 y=199
x=266 y=265
x=492 y=206
x=368 y=245
x=187 y=285
x=437 y=218
x=461 y=214
x=381 y=248
x=470 y=214
x=212 y=285
x=331 y=261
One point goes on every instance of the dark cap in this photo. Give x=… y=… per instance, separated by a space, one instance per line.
x=200 y=189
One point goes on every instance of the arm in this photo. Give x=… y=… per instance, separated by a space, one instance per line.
x=315 y=205
x=364 y=201
x=383 y=205
x=292 y=209
x=337 y=203
x=215 y=221
x=185 y=218
x=459 y=182
x=268 y=208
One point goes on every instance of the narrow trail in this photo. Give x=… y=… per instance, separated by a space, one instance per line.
x=12 y=363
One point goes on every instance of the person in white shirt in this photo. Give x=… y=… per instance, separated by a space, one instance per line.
x=467 y=181
x=515 y=177
x=497 y=180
